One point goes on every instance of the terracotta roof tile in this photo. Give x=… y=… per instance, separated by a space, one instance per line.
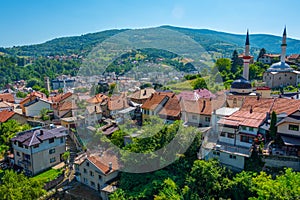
x=102 y=162
x=6 y=115
x=142 y=94
x=118 y=102
x=99 y=98
x=7 y=97
x=171 y=108
x=154 y=100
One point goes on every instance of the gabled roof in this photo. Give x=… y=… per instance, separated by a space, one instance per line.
x=60 y=97
x=155 y=100
x=100 y=161
x=171 y=108
x=34 y=95
x=201 y=107
x=67 y=105
x=7 y=97
x=99 y=98
x=6 y=115
x=142 y=94
x=118 y=102
x=4 y=104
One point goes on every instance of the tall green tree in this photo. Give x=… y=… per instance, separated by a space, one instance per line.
x=235 y=62
x=261 y=53
x=18 y=187
x=199 y=83
x=273 y=128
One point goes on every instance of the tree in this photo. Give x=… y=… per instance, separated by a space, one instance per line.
x=169 y=190
x=18 y=186
x=273 y=128
x=261 y=53
x=199 y=83
x=235 y=62
x=44 y=114
x=33 y=81
x=7 y=131
x=66 y=156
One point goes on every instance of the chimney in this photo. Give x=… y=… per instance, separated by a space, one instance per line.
x=41 y=132
x=110 y=166
x=251 y=110
x=145 y=92
x=95 y=108
x=204 y=105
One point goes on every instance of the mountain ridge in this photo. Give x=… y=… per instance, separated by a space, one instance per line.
x=213 y=41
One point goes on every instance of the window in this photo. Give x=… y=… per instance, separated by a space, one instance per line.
x=216 y=153
x=291 y=78
x=92 y=184
x=194 y=117
x=251 y=129
x=36 y=146
x=51 y=140
x=85 y=180
x=87 y=164
x=52 y=151
x=232 y=157
x=293 y=127
x=244 y=128
x=246 y=139
x=91 y=173
x=223 y=134
x=52 y=160
x=84 y=170
x=26 y=157
x=230 y=135
x=234 y=101
x=62 y=140
x=18 y=153
x=100 y=177
x=207 y=119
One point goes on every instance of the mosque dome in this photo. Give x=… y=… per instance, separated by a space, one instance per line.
x=241 y=86
x=280 y=67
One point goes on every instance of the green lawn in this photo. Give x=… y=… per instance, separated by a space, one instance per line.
x=48 y=175
x=186 y=85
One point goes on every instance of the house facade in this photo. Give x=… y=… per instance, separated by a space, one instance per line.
x=37 y=150
x=96 y=170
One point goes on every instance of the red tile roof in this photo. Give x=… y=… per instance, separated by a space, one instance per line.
x=142 y=94
x=7 y=97
x=34 y=95
x=155 y=100
x=118 y=102
x=67 y=105
x=201 y=107
x=99 y=98
x=60 y=97
x=171 y=108
x=102 y=162
x=6 y=115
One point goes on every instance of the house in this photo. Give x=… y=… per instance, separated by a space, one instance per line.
x=96 y=170
x=294 y=58
x=141 y=96
x=155 y=103
x=8 y=97
x=6 y=115
x=220 y=114
x=196 y=113
x=31 y=99
x=58 y=100
x=66 y=109
x=93 y=115
x=171 y=111
x=34 y=107
x=38 y=149
x=117 y=103
x=269 y=58
x=6 y=106
x=196 y=94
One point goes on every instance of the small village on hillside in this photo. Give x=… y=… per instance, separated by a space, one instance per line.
x=53 y=135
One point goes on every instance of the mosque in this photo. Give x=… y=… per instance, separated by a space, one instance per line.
x=281 y=74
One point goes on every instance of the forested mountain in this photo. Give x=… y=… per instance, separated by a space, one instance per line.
x=212 y=41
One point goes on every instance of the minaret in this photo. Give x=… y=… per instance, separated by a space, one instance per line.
x=283 y=46
x=246 y=58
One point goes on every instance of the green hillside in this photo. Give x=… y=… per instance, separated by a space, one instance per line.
x=216 y=43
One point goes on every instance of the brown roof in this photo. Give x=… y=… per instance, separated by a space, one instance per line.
x=118 y=102
x=4 y=104
x=7 y=97
x=60 y=97
x=154 y=100
x=102 y=162
x=99 y=98
x=6 y=115
x=34 y=94
x=202 y=106
x=171 y=108
x=142 y=94
x=67 y=105
x=294 y=56
x=288 y=106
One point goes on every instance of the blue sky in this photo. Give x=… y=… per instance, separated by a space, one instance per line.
x=36 y=21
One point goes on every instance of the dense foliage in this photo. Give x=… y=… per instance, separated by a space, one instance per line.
x=17 y=186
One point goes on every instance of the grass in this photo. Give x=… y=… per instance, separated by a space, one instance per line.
x=186 y=85
x=47 y=175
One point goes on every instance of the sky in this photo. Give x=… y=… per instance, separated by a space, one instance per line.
x=27 y=22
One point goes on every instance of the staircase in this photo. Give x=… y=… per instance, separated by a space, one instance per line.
x=71 y=146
